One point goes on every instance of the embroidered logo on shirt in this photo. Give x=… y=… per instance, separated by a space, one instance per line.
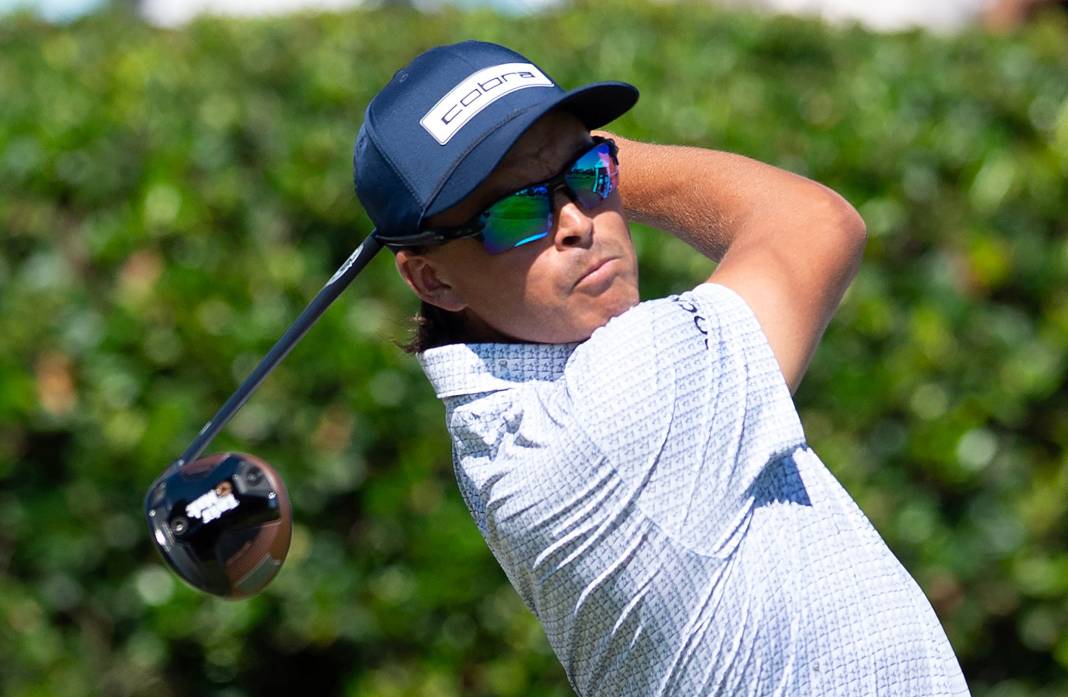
x=699 y=320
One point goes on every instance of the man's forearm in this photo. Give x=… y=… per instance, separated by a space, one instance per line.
x=709 y=198
x=788 y=245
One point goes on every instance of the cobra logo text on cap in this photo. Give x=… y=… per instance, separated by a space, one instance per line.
x=476 y=92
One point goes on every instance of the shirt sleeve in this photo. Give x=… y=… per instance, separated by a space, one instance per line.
x=685 y=399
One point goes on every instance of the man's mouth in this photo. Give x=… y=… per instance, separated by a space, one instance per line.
x=599 y=274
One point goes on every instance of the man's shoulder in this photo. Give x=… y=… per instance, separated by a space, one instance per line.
x=663 y=332
x=701 y=306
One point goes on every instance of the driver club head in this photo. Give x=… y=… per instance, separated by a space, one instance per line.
x=222 y=522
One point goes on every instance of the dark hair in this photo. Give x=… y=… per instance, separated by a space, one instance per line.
x=435 y=327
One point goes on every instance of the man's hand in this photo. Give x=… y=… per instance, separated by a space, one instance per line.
x=786 y=244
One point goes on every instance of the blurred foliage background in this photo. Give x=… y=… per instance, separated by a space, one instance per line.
x=170 y=200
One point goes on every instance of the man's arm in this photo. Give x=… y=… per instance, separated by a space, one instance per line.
x=786 y=244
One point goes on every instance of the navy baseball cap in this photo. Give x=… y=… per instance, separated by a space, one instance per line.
x=445 y=121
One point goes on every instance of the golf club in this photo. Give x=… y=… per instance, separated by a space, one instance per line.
x=224 y=522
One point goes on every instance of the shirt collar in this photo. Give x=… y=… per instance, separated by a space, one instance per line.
x=460 y=369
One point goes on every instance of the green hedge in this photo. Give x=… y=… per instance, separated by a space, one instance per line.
x=169 y=200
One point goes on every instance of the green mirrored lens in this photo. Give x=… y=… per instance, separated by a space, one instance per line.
x=593 y=177
x=527 y=215
x=523 y=217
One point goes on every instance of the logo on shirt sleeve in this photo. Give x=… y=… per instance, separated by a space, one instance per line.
x=699 y=320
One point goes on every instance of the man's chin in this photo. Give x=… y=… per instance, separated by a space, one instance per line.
x=608 y=312
x=584 y=321
x=624 y=300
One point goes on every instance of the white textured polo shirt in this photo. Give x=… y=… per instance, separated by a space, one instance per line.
x=650 y=496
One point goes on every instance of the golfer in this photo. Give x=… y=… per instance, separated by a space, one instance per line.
x=638 y=469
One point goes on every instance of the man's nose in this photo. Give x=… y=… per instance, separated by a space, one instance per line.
x=574 y=228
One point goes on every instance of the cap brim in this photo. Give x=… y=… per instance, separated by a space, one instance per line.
x=595 y=105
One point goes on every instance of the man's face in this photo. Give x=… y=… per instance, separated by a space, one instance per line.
x=558 y=289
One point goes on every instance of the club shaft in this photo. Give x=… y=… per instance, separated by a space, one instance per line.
x=333 y=288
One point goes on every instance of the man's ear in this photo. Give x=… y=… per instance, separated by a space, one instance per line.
x=424 y=278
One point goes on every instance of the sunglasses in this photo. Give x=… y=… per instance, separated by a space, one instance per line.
x=526 y=215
